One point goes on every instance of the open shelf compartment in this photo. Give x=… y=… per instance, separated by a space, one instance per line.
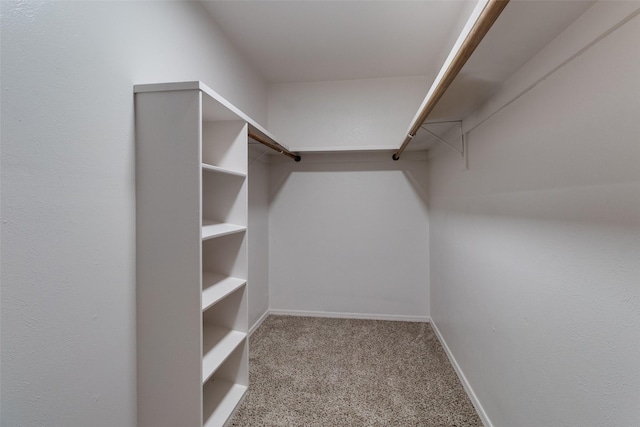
x=224 y=391
x=218 y=343
x=224 y=327
x=224 y=144
x=224 y=266
x=217 y=286
x=221 y=398
x=224 y=200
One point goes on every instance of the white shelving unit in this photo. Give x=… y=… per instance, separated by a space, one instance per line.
x=191 y=233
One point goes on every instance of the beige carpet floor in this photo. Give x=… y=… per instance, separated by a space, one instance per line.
x=341 y=372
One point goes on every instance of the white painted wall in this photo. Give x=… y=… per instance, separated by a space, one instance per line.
x=258 y=282
x=68 y=211
x=347 y=232
x=344 y=115
x=348 y=235
x=535 y=250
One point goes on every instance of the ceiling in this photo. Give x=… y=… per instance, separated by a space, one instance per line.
x=322 y=40
x=304 y=41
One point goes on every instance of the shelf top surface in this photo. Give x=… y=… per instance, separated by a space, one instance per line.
x=214 y=106
x=217 y=287
x=211 y=230
x=218 y=169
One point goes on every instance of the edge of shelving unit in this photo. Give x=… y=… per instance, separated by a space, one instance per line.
x=216 y=169
x=166 y=87
x=198 y=85
x=211 y=230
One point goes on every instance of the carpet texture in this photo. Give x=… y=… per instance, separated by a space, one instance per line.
x=343 y=372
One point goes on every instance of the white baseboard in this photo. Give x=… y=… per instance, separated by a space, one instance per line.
x=256 y=325
x=333 y=315
x=467 y=387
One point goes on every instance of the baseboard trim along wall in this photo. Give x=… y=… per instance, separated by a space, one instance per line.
x=256 y=325
x=364 y=316
x=467 y=387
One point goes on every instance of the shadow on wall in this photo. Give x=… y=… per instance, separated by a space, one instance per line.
x=353 y=167
x=463 y=97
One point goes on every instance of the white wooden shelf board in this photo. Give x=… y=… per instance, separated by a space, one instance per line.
x=211 y=230
x=221 y=342
x=220 y=400
x=223 y=110
x=211 y=168
x=217 y=286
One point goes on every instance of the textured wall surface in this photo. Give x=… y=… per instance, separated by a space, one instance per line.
x=258 y=234
x=348 y=234
x=68 y=202
x=347 y=114
x=535 y=250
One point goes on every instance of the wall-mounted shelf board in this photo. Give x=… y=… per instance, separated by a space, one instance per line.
x=211 y=230
x=217 y=169
x=217 y=286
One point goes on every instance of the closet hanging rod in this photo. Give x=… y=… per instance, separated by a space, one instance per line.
x=485 y=21
x=274 y=146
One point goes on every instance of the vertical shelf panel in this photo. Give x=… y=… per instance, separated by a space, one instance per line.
x=168 y=228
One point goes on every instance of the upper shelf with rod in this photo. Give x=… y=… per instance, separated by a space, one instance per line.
x=490 y=78
x=482 y=19
x=215 y=107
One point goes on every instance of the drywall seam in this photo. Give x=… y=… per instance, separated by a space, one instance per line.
x=363 y=316
x=463 y=379
x=259 y=322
